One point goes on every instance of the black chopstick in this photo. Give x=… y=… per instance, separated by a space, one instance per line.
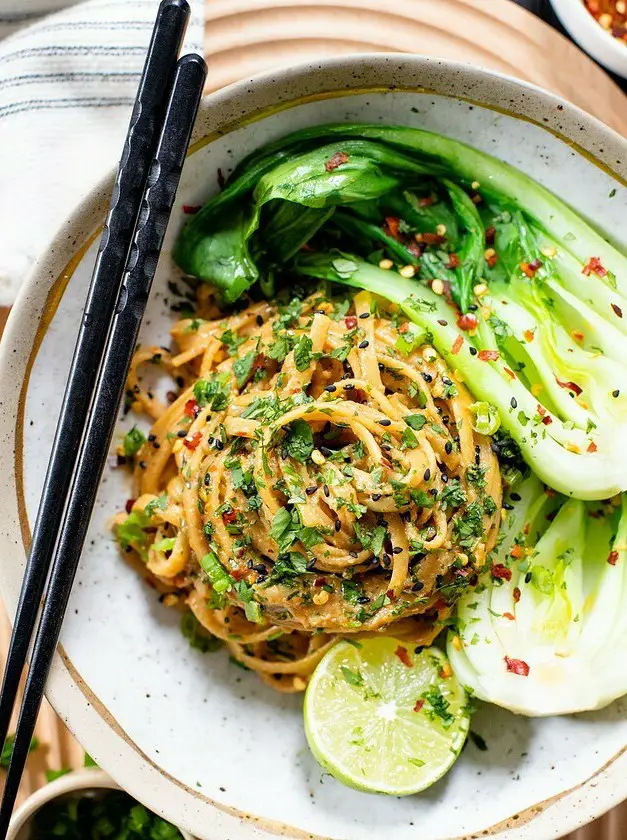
x=139 y=149
x=156 y=205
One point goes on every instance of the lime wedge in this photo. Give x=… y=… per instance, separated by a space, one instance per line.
x=384 y=719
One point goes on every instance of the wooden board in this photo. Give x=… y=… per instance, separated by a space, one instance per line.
x=244 y=37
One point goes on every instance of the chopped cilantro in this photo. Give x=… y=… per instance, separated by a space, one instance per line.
x=133 y=442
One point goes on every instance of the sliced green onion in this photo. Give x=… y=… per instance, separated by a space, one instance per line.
x=166 y=544
x=487 y=420
x=221 y=581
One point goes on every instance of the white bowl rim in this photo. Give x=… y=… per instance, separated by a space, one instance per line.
x=85 y=778
x=91 y=721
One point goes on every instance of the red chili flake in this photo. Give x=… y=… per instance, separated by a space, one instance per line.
x=404 y=327
x=192 y=441
x=128 y=507
x=238 y=574
x=492 y=260
x=391 y=594
x=510 y=373
x=490 y=235
x=569 y=386
x=320 y=582
x=432 y=238
x=457 y=345
x=540 y=409
x=529 y=336
x=578 y=336
x=547 y=420
x=336 y=160
x=529 y=268
x=415 y=249
x=454 y=261
x=393 y=223
x=191 y=209
x=592 y=447
x=192 y=409
x=516 y=552
x=488 y=355
x=526 y=529
x=427 y=201
x=448 y=294
x=594 y=266
x=229 y=516
x=468 y=321
x=517 y=666
x=501 y=572
x=403 y=655
x=516 y=594
x=419 y=705
x=617 y=310
x=612 y=558
x=509 y=616
x=351 y=322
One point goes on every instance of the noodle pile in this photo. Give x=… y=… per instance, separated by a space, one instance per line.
x=315 y=474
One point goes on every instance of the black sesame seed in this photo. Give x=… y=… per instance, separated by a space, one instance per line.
x=363 y=599
x=349 y=386
x=473 y=351
x=363 y=344
x=364 y=315
x=181 y=433
x=156 y=445
x=180 y=381
x=507 y=506
x=385 y=422
x=259 y=320
x=152 y=437
x=473 y=307
x=515 y=497
x=353 y=554
x=219 y=445
x=442 y=322
x=406 y=516
x=397 y=550
x=259 y=567
x=427 y=474
x=331 y=388
x=284 y=454
x=528 y=577
x=445 y=478
x=386 y=447
x=207 y=479
x=447 y=381
x=418 y=586
x=427 y=377
x=142 y=465
x=338 y=525
x=326 y=490
x=386 y=559
x=615 y=393
x=326 y=451
x=311 y=490
x=376 y=497
x=448 y=447
x=513 y=402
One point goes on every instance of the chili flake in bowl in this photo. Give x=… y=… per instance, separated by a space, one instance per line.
x=599 y=27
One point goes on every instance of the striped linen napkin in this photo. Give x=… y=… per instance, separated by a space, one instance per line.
x=67 y=84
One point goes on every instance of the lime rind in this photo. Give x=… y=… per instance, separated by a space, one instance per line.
x=369 y=720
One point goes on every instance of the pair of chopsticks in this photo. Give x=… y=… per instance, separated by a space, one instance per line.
x=154 y=151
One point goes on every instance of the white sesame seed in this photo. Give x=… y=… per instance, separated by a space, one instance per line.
x=441 y=230
x=407 y=271
x=437 y=287
x=480 y=289
x=386 y=264
x=317 y=457
x=475 y=185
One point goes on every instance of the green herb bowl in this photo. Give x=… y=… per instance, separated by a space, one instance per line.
x=85 y=780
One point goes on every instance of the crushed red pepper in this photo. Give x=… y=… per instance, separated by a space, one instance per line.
x=404 y=656
x=612 y=558
x=336 y=160
x=501 y=572
x=517 y=666
x=569 y=386
x=594 y=266
x=488 y=355
x=468 y=321
x=611 y=15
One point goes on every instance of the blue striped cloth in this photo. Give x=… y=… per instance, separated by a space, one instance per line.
x=67 y=83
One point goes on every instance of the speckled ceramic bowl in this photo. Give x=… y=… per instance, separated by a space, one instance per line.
x=87 y=781
x=200 y=741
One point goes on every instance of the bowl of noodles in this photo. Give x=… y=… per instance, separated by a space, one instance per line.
x=368 y=466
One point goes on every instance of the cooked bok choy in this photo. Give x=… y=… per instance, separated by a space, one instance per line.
x=544 y=630
x=521 y=296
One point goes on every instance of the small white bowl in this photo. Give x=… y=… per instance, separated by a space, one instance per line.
x=591 y=36
x=88 y=778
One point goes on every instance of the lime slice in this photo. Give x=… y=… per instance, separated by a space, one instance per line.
x=384 y=719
